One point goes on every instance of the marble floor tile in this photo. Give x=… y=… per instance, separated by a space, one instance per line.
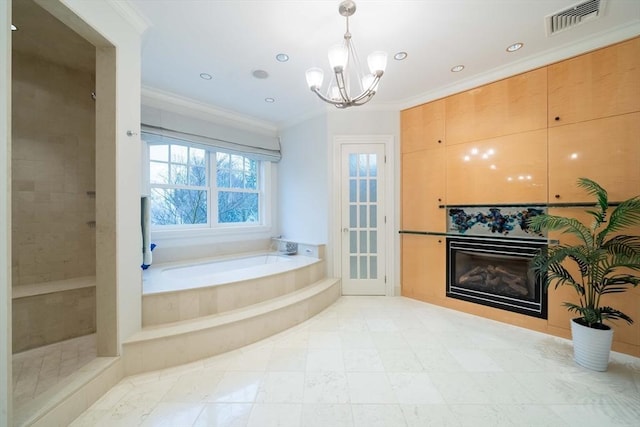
x=362 y=360
x=326 y=387
x=40 y=369
x=275 y=415
x=281 y=387
x=237 y=387
x=287 y=359
x=371 y=362
x=224 y=415
x=414 y=388
x=370 y=387
x=324 y=415
x=324 y=360
x=378 y=416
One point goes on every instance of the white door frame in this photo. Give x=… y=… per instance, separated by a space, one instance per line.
x=335 y=217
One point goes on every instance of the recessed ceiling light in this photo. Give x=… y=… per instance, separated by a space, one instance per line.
x=260 y=74
x=269 y=100
x=14 y=28
x=457 y=68
x=514 y=47
x=205 y=76
x=282 y=57
x=400 y=56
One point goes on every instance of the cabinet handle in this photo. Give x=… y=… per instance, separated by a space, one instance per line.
x=439 y=240
x=439 y=141
x=557 y=196
x=557 y=118
x=439 y=199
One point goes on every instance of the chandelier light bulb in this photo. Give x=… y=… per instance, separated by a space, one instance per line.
x=314 y=76
x=338 y=57
x=377 y=62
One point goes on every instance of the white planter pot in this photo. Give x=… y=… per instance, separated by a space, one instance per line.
x=591 y=347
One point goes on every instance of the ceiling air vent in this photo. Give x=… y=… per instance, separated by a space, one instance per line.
x=576 y=14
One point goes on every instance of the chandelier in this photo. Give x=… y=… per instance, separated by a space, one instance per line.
x=344 y=62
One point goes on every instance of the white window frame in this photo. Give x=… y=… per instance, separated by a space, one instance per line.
x=213 y=228
x=207 y=187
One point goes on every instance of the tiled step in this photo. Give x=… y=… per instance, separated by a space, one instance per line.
x=171 y=344
x=240 y=290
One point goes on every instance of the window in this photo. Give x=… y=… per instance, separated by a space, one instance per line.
x=237 y=184
x=200 y=186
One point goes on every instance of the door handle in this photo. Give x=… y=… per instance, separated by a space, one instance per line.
x=345 y=230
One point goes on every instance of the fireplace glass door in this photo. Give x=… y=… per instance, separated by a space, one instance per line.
x=496 y=273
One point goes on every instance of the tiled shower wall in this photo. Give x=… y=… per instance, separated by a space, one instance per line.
x=53 y=171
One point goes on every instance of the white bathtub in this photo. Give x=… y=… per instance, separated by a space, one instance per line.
x=186 y=290
x=178 y=276
x=208 y=269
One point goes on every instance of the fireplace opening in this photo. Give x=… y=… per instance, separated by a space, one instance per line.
x=496 y=273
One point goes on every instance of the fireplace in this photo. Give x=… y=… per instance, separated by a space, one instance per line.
x=496 y=272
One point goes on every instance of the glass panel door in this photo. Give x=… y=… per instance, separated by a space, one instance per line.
x=362 y=201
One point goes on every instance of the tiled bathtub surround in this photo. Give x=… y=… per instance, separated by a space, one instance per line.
x=53 y=169
x=173 y=300
x=374 y=361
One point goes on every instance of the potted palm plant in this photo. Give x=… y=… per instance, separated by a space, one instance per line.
x=605 y=262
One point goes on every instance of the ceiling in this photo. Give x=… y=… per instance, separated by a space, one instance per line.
x=229 y=39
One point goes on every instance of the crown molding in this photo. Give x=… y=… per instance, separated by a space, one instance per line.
x=131 y=14
x=168 y=101
x=548 y=57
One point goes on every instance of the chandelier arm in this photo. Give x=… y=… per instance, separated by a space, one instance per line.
x=338 y=104
x=362 y=99
x=369 y=92
x=342 y=87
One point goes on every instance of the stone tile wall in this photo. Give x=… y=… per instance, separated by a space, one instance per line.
x=53 y=171
x=45 y=319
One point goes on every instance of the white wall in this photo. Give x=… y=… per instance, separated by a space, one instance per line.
x=307 y=191
x=303 y=180
x=366 y=121
x=5 y=214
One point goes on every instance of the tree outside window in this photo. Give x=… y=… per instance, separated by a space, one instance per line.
x=181 y=192
x=237 y=184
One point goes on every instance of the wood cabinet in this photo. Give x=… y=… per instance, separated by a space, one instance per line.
x=513 y=105
x=508 y=169
x=599 y=84
x=423 y=267
x=504 y=146
x=422 y=127
x=423 y=174
x=605 y=150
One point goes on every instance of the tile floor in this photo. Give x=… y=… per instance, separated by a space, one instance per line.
x=38 y=370
x=375 y=361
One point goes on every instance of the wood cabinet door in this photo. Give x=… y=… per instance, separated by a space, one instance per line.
x=599 y=84
x=508 y=169
x=517 y=104
x=606 y=151
x=422 y=127
x=423 y=267
x=423 y=174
